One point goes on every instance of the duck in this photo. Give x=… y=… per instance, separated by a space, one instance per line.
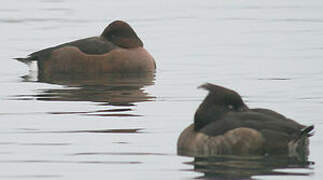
x=117 y=50
x=225 y=125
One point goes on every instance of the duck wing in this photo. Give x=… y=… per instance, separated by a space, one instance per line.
x=263 y=120
x=92 y=45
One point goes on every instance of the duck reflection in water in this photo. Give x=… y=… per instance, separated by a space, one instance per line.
x=109 y=89
x=224 y=126
x=248 y=167
x=111 y=68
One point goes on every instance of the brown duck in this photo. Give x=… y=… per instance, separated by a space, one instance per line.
x=117 y=49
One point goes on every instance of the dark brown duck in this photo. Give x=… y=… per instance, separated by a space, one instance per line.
x=117 y=49
x=224 y=125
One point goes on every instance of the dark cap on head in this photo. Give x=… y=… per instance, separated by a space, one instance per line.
x=219 y=101
x=221 y=96
x=121 y=34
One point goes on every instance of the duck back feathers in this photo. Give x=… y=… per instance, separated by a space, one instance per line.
x=223 y=124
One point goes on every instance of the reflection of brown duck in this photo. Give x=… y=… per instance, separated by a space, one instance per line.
x=237 y=167
x=118 y=49
x=223 y=124
x=115 y=89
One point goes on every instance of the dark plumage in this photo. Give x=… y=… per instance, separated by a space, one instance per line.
x=230 y=127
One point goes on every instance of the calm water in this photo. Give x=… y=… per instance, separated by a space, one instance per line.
x=269 y=51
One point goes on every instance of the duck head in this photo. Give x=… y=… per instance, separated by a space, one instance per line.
x=121 y=34
x=217 y=103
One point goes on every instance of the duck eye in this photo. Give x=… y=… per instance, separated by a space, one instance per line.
x=231 y=107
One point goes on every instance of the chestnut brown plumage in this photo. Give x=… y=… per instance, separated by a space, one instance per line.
x=117 y=49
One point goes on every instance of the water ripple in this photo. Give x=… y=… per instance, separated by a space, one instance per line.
x=120 y=153
x=58 y=20
x=40 y=176
x=134 y=130
x=70 y=162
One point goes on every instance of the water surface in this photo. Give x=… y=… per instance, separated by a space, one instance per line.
x=110 y=127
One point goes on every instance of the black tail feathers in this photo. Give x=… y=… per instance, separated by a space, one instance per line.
x=307 y=131
x=26 y=60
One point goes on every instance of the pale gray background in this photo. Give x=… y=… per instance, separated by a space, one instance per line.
x=271 y=52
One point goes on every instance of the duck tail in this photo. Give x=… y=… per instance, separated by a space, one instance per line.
x=299 y=146
x=307 y=132
x=27 y=60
